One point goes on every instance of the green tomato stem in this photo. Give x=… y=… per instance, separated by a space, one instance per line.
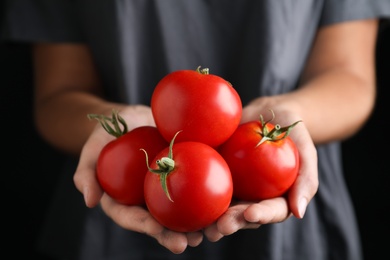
x=204 y=71
x=277 y=133
x=109 y=122
x=165 y=166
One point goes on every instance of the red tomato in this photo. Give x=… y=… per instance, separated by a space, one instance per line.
x=121 y=165
x=191 y=193
x=205 y=107
x=263 y=160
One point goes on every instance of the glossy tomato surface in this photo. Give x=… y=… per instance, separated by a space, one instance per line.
x=260 y=171
x=121 y=165
x=205 y=107
x=200 y=187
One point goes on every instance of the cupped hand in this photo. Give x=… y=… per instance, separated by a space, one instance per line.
x=251 y=215
x=133 y=218
x=240 y=215
x=138 y=219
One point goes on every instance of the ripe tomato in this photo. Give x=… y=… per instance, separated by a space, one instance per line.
x=205 y=107
x=121 y=165
x=263 y=160
x=189 y=188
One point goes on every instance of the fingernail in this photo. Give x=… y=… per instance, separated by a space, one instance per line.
x=302 y=204
x=86 y=194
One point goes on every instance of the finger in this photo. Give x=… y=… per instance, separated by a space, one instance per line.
x=268 y=211
x=134 y=218
x=85 y=175
x=212 y=233
x=306 y=184
x=86 y=183
x=173 y=241
x=194 y=238
x=138 y=219
x=233 y=220
x=301 y=194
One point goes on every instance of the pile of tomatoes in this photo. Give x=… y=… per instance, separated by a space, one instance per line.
x=198 y=157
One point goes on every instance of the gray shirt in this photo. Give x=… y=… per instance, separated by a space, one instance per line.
x=259 y=46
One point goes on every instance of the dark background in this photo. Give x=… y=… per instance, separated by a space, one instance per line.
x=28 y=164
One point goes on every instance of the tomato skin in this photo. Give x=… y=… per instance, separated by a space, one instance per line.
x=200 y=187
x=121 y=165
x=204 y=106
x=261 y=172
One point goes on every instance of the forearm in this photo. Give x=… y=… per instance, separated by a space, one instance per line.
x=62 y=119
x=337 y=91
x=335 y=104
x=67 y=89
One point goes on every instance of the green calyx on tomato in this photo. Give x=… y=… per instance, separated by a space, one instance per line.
x=204 y=71
x=165 y=166
x=115 y=120
x=277 y=133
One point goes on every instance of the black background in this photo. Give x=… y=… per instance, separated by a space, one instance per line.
x=28 y=164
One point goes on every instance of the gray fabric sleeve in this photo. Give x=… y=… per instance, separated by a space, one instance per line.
x=335 y=11
x=41 y=20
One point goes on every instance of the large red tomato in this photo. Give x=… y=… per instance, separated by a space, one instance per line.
x=189 y=188
x=121 y=165
x=263 y=160
x=205 y=107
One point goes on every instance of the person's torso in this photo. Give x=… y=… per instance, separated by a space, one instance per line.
x=258 y=46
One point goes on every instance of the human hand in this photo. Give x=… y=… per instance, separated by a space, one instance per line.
x=138 y=219
x=135 y=218
x=251 y=215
